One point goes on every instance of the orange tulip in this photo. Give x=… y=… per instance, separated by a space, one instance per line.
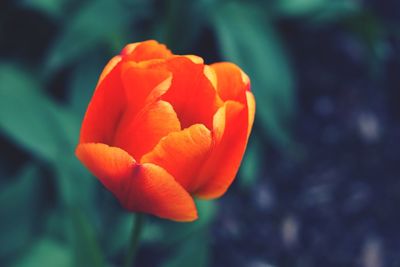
x=162 y=128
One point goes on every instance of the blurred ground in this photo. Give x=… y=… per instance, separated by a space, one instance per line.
x=336 y=205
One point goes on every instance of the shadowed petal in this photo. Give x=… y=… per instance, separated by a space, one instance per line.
x=109 y=67
x=105 y=108
x=139 y=133
x=230 y=138
x=230 y=81
x=191 y=93
x=140 y=80
x=182 y=154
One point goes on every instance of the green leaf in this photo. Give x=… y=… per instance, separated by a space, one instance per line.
x=182 y=25
x=193 y=252
x=50 y=132
x=118 y=234
x=28 y=116
x=81 y=234
x=51 y=7
x=83 y=81
x=19 y=203
x=299 y=7
x=159 y=232
x=318 y=11
x=190 y=239
x=71 y=175
x=46 y=252
x=175 y=233
x=97 y=23
x=86 y=247
x=247 y=38
x=47 y=130
x=251 y=166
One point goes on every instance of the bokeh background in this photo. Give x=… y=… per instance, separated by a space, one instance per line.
x=320 y=183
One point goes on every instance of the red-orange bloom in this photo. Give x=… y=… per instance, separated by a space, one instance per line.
x=162 y=128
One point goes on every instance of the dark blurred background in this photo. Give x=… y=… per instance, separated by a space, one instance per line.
x=320 y=183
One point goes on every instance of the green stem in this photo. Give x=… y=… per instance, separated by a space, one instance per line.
x=135 y=237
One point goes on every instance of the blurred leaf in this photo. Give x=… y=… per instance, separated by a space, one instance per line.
x=247 y=38
x=50 y=132
x=82 y=208
x=74 y=226
x=28 y=116
x=83 y=81
x=316 y=10
x=151 y=232
x=46 y=252
x=71 y=175
x=97 y=23
x=118 y=236
x=251 y=166
x=51 y=7
x=159 y=232
x=19 y=211
x=87 y=249
x=299 y=7
x=190 y=239
x=182 y=25
x=44 y=128
x=193 y=252
x=175 y=233
x=56 y=223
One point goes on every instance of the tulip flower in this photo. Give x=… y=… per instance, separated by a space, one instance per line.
x=162 y=129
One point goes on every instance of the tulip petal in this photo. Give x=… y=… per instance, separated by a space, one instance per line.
x=109 y=67
x=182 y=154
x=128 y=49
x=251 y=104
x=230 y=81
x=195 y=59
x=105 y=108
x=191 y=93
x=153 y=190
x=139 y=187
x=139 y=133
x=230 y=139
x=111 y=165
x=211 y=75
x=141 y=79
x=146 y=50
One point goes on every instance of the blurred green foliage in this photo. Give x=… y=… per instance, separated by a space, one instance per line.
x=246 y=36
x=52 y=211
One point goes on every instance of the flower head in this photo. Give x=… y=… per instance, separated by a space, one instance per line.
x=162 y=128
